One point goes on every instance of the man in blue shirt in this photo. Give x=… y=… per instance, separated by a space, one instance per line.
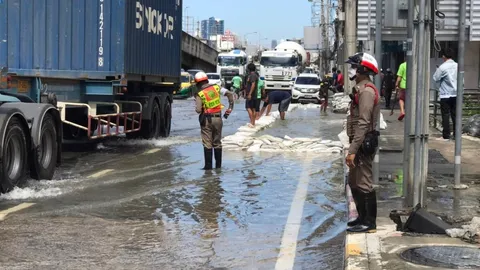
x=446 y=75
x=283 y=98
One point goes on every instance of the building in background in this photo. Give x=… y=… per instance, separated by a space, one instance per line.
x=204 y=29
x=212 y=27
x=274 y=43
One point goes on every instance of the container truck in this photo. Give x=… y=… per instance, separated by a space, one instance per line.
x=82 y=70
x=281 y=65
x=231 y=64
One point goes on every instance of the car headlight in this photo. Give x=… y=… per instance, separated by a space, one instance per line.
x=296 y=88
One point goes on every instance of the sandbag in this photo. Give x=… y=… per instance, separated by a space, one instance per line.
x=472 y=126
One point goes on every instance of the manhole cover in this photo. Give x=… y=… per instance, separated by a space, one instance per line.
x=444 y=256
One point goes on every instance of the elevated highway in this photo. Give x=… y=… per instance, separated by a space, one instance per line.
x=198 y=55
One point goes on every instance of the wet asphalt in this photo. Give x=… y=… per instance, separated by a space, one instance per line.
x=147 y=205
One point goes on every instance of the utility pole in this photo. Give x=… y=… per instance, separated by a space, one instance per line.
x=421 y=129
x=378 y=79
x=461 y=70
x=325 y=38
x=409 y=127
x=350 y=43
x=198 y=28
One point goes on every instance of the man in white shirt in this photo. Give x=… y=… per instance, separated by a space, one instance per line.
x=446 y=75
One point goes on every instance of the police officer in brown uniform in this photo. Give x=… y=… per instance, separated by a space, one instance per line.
x=209 y=106
x=363 y=140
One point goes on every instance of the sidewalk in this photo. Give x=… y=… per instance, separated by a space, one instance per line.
x=382 y=250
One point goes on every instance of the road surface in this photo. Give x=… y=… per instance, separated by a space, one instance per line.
x=147 y=205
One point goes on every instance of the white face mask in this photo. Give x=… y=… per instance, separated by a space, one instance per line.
x=352 y=73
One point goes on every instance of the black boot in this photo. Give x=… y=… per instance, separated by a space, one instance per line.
x=369 y=224
x=218 y=158
x=208 y=158
x=360 y=205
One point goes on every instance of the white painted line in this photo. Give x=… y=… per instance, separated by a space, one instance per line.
x=14 y=209
x=288 y=248
x=151 y=151
x=100 y=173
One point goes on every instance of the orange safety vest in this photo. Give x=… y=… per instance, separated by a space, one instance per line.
x=211 y=99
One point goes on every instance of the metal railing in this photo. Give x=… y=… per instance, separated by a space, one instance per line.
x=471 y=106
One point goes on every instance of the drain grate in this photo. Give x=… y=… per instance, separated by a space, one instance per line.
x=444 y=256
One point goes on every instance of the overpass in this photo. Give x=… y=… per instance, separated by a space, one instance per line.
x=197 y=55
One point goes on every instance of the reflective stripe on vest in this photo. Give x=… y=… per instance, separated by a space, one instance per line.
x=211 y=99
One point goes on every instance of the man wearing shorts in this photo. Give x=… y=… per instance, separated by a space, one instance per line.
x=401 y=86
x=253 y=96
x=283 y=98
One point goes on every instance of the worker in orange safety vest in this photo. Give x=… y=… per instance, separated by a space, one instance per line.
x=209 y=106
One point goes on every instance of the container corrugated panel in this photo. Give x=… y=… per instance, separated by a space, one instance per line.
x=154 y=29
x=90 y=38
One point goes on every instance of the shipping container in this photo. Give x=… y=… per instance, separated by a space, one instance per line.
x=92 y=39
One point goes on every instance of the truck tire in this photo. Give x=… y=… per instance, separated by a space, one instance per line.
x=151 y=128
x=166 y=118
x=14 y=163
x=43 y=160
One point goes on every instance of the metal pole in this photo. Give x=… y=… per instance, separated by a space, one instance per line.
x=461 y=70
x=378 y=79
x=409 y=109
x=426 y=104
x=350 y=38
x=418 y=163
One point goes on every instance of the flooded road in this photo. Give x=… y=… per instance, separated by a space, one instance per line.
x=147 y=205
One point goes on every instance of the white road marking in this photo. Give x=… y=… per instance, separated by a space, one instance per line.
x=288 y=248
x=100 y=173
x=14 y=209
x=151 y=151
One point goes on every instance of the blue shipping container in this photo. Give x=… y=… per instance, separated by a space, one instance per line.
x=91 y=39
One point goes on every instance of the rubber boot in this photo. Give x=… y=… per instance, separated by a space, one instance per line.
x=369 y=224
x=360 y=205
x=218 y=158
x=208 y=155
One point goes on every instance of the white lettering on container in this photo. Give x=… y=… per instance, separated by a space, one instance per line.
x=156 y=22
x=100 y=35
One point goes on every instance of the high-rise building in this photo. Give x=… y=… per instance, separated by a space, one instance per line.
x=212 y=27
x=274 y=43
x=204 y=29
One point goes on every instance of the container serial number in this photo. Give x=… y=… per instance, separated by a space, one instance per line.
x=100 y=34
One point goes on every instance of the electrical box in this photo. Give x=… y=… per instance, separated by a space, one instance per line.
x=402 y=4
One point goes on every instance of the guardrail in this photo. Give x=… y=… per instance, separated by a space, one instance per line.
x=471 y=106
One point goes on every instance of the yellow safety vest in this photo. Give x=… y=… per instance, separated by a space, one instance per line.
x=211 y=99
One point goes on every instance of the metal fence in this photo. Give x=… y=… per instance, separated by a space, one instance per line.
x=471 y=106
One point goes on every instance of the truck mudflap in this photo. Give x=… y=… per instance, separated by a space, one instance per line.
x=105 y=125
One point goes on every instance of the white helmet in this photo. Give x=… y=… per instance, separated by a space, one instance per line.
x=200 y=77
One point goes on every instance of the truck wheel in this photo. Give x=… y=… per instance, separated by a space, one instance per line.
x=44 y=157
x=152 y=126
x=14 y=157
x=166 y=122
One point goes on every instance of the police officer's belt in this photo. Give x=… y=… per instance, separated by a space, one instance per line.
x=213 y=115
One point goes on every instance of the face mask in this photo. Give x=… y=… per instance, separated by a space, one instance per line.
x=352 y=73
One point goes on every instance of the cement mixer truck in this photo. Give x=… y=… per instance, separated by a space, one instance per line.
x=283 y=64
x=231 y=64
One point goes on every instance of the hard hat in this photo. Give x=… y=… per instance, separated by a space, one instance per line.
x=200 y=77
x=366 y=63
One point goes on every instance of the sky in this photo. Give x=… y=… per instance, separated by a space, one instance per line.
x=272 y=19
